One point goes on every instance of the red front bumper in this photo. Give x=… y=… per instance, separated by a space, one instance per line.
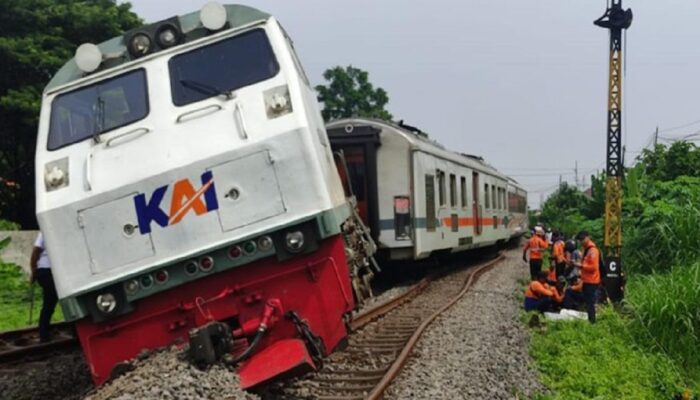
x=315 y=286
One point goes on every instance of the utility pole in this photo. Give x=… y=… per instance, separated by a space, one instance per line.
x=656 y=137
x=576 y=174
x=615 y=19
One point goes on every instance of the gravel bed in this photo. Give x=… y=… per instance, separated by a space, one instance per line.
x=385 y=296
x=478 y=349
x=60 y=376
x=166 y=374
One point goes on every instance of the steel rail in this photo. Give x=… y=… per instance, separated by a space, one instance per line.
x=401 y=360
x=20 y=343
x=364 y=318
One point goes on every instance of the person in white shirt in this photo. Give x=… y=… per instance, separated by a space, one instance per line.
x=41 y=272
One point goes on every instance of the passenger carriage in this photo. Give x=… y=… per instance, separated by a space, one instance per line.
x=418 y=197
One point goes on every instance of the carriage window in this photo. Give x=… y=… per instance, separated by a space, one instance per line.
x=463 y=183
x=486 y=196
x=430 y=218
x=453 y=190
x=221 y=67
x=98 y=108
x=441 y=187
x=493 y=197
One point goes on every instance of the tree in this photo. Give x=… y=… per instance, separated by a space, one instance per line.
x=350 y=94
x=666 y=163
x=36 y=38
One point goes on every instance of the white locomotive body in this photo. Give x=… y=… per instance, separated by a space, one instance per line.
x=176 y=165
x=419 y=198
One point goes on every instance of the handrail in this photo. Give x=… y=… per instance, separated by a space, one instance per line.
x=113 y=141
x=198 y=113
x=238 y=115
x=88 y=171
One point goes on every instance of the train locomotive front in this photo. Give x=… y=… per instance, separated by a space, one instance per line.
x=187 y=191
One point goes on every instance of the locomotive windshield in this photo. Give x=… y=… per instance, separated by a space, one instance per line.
x=221 y=67
x=98 y=108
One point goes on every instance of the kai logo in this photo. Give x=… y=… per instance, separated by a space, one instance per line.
x=185 y=198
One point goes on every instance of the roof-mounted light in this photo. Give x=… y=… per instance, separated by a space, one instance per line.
x=88 y=57
x=168 y=35
x=213 y=16
x=140 y=44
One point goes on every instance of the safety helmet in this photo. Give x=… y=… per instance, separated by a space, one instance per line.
x=569 y=246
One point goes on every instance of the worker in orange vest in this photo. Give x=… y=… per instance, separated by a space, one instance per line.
x=538 y=295
x=590 y=272
x=558 y=257
x=536 y=245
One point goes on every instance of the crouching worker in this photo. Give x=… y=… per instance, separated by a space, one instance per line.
x=538 y=295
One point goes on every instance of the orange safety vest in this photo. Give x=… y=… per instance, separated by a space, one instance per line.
x=558 y=251
x=590 y=272
x=537 y=246
x=536 y=290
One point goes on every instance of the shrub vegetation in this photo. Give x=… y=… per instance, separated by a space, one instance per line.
x=661 y=254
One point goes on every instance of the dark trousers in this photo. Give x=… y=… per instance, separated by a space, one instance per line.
x=589 y=296
x=535 y=268
x=572 y=299
x=541 y=305
x=560 y=269
x=48 y=305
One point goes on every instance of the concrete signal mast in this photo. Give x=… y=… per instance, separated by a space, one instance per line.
x=615 y=19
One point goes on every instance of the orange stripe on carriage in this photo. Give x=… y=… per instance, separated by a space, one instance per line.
x=470 y=221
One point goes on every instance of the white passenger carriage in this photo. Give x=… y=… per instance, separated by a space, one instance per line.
x=184 y=176
x=419 y=198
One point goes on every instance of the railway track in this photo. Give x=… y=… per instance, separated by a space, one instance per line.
x=382 y=341
x=24 y=343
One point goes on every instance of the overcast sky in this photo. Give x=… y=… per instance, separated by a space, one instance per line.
x=521 y=82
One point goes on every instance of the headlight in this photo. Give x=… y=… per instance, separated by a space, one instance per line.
x=56 y=174
x=265 y=243
x=294 y=241
x=146 y=281
x=191 y=268
x=140 y=44
x=250 y=247
x=206 y=263
x=106 y=303
x=167 y=36
x=277 y=102
x=131 y=286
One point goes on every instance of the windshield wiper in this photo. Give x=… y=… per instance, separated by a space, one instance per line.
x=99 y=115
x=205 y=89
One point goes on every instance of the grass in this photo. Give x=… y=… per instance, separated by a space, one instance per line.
x=15 y=299
x=578 y=360
x=666 y=317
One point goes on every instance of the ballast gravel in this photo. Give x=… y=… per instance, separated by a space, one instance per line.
x=478 y=349
x=63 y=376
x=167 y=375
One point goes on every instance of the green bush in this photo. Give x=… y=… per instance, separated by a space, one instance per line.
x=579 y=360
x=667 y=313
x=15 y=299
x=6 y=225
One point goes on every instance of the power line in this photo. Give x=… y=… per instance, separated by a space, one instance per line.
x=680 y=126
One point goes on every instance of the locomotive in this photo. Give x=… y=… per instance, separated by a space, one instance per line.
x=420 y=199
x=187 y=191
